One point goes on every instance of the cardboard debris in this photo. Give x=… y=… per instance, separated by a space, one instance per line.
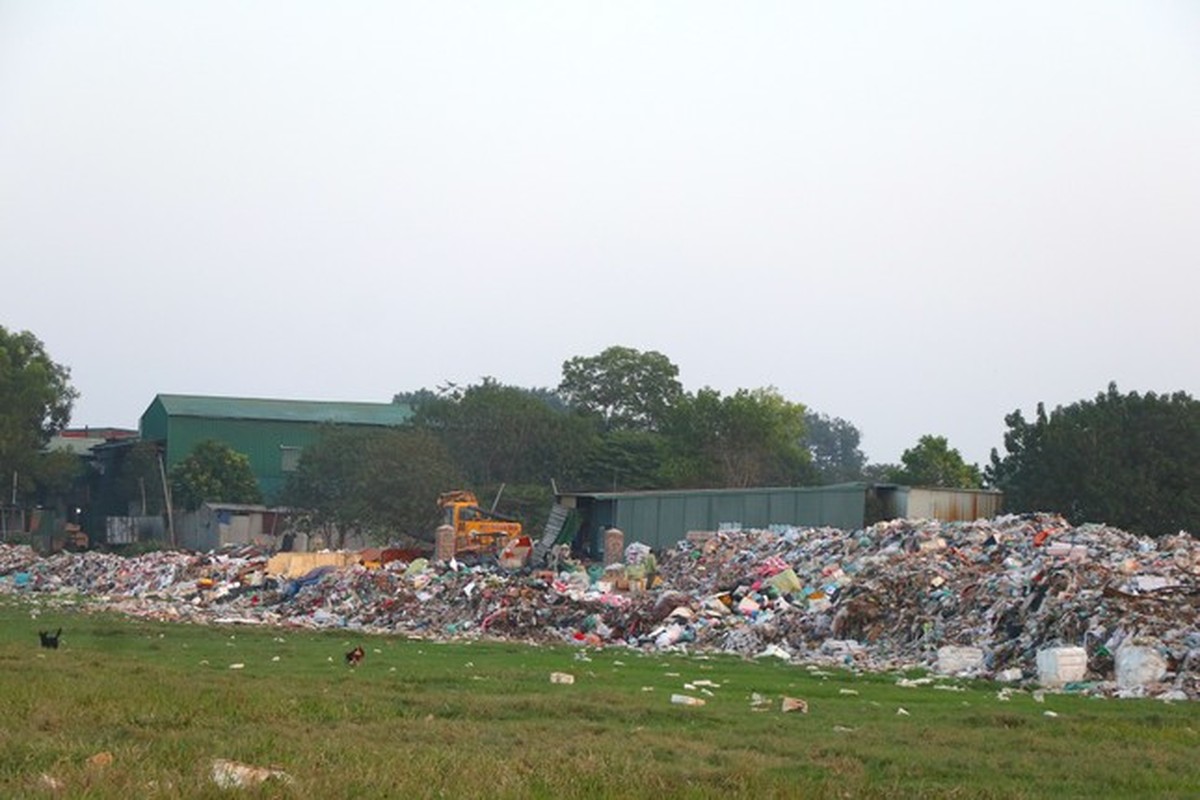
x=791 y=704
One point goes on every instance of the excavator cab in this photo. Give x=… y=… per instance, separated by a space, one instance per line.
x=477 y=530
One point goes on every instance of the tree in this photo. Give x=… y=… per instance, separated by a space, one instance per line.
x=625 y=388
x=624 y=460
x=136 y=485
x=59 y=477
x=834 y=447
x=416 y=398
x=505 y=434
x=881 y=473
x=213 y=472
x=35 y=403
x=749 y=438
x=932 y=462
x=1126 y=459
x=381 y=483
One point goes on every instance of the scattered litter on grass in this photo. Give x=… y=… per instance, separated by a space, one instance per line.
x=791 y=704
x=50 y=783
x=561 y=677
x=234 y=775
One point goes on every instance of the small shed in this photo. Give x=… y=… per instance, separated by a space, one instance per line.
x=936 y=502
x=216 y=525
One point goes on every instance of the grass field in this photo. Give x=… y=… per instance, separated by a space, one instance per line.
x=422 y=719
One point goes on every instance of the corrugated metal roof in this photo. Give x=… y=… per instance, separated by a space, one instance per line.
x=77 y=445
x=703 y=492
x=337 y=412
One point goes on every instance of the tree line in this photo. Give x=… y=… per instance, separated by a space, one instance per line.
x=622 y=420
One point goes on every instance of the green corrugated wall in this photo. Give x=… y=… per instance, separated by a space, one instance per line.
x=661 y=520
x=260 y=440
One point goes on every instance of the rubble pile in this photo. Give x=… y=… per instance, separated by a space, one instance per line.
x=1007 y=598
x=897 y=593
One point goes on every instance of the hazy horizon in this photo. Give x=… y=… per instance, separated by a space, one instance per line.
x=916 y=218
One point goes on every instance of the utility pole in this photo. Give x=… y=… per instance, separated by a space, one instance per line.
x=162 y=471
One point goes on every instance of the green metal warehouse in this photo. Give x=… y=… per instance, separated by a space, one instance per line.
x=271 y=433
x=661 y=518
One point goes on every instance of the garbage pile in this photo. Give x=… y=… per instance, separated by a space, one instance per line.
x=1016 y=598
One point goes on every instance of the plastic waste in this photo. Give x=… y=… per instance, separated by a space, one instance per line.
x=952 y=660
x=1138 y=665
x=1058 y=666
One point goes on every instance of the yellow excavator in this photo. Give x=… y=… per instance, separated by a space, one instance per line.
x=476 y=529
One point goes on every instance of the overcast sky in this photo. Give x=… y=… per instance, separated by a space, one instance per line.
x=916 y=216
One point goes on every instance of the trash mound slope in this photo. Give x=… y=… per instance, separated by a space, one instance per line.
x=981 y=598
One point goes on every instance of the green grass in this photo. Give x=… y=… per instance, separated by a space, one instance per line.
x=423 y=719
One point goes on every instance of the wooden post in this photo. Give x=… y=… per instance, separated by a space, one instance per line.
x=162 y=471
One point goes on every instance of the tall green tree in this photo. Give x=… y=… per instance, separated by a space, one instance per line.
x=136 y=486
x=60 y=479
x=35 y=403
x=933 y=462
x=213 y=473
x=833 y=443
x=505 y=434
x=380 y=483
x=749 y=438
x=625 y=460
x=881 y=473
x=625 y=388
x=1126 y=459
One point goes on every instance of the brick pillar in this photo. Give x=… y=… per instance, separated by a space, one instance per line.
x=443 y=549
x=614 y=546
